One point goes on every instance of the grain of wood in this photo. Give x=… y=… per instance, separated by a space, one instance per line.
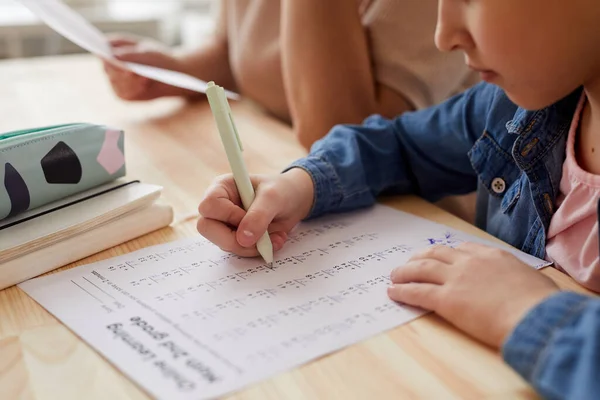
x=176 y=145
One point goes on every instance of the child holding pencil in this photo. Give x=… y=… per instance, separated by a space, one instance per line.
x=527 y=140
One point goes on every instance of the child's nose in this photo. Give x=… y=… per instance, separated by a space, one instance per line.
x=451 y=33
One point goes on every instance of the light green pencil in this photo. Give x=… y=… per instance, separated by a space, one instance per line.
x=233 y=148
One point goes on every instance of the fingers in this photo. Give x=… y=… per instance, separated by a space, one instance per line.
x=147 y=56
x=421 y=295
x=139 y=57
x=220 y=205
x=441 y=253
x=121 y=46
x=423 y=271
x=117 y=74
x=225 y=238
x=126 y=84
x=481 y=249
x=134 y=54
x=130 y=87
x=263 y=210
x=122 y=39
x=227 y=224
x=224 y=222
x=122 y=42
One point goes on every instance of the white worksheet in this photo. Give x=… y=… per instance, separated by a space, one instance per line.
x=186 y=320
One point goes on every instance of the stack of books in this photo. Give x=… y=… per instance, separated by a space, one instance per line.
x=66 y=197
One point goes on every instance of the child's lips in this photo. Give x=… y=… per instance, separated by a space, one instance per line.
x=488 y=76
x=485 y=74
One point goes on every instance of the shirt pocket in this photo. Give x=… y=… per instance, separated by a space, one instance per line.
x=512 y=195
x=497 y=169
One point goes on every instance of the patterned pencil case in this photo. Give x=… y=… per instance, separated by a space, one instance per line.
x=39 y=166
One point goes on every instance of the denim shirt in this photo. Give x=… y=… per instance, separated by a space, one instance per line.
x=476 y=141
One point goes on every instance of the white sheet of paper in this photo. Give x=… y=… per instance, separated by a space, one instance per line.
x=78 y=30
x=187 y=321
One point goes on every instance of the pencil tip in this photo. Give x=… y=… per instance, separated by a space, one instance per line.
x=268 y=258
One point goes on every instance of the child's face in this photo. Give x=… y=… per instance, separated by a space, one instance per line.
x=538 y=51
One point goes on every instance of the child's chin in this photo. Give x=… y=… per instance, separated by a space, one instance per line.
x=530 y=101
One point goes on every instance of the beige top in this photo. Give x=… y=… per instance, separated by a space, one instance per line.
x=401 y=37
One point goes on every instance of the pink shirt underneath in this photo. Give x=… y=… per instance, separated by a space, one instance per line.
x=573 y=233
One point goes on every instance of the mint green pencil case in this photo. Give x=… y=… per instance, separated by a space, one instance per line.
x=39 y=166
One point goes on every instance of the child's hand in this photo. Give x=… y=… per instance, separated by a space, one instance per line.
x=281 y=202
x=481 y=290
x=130 y=86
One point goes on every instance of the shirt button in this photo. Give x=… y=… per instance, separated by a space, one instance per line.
x=498 y=185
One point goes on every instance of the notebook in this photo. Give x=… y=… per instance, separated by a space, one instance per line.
x=64 y=231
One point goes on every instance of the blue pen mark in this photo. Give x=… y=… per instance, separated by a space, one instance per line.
x=449 y=239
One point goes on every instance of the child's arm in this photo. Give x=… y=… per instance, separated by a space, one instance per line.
x=551 y=338
x=557 y=347
x=423 y=153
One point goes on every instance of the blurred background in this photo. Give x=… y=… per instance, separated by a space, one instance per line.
x=174 y=22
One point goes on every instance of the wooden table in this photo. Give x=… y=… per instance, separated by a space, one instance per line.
x=177 y=146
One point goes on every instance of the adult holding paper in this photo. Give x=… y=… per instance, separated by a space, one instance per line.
x=311 y=63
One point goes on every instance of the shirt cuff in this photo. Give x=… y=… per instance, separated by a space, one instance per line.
x=526 y=346
x=328 y=189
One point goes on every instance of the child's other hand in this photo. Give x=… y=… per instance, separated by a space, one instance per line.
x=281 y=202
x=482 y=290
x=130 y=86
